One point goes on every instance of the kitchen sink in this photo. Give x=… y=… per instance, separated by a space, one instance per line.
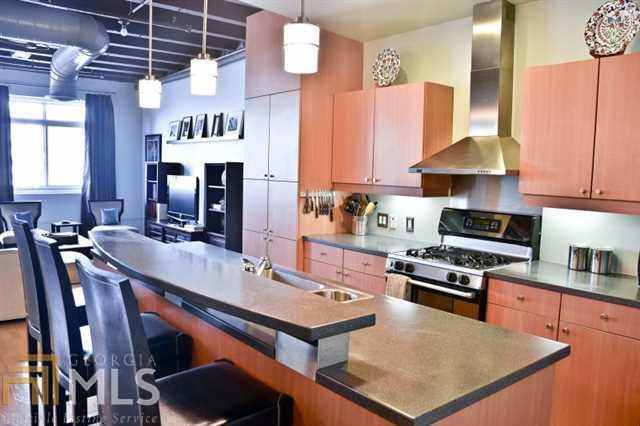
x=336 y=294
x=296 y=281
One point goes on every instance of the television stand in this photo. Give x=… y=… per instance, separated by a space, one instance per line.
x=168 y=232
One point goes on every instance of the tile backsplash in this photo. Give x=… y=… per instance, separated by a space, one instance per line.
x=559 y=227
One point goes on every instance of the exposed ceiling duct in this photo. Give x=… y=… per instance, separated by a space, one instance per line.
x=489 y=149
x=78 y=37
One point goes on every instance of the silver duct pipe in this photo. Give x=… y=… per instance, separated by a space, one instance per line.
x=79 y=38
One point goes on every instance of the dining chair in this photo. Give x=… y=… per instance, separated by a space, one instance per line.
x=71 y=340
x=8 y=211
x=96 y=208
x=214 y=394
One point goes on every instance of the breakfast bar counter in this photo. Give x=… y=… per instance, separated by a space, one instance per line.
x=407 y=364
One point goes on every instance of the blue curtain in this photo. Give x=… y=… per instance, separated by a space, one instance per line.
x=99 y=180
x=6 y=179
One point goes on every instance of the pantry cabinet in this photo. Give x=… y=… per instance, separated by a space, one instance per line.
x=380 y=133
x=580 y=144
x=281 y=251
x=599 y=383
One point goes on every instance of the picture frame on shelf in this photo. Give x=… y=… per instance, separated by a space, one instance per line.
x=234 y=125
x=186 y=132
x=174 y=130
x=152 y=148
x=217 y=129
x=200 y=128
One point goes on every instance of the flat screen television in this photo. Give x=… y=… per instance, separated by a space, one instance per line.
x=183 y=197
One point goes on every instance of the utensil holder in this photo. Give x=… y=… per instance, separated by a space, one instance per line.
x=578 y=257
x=359 y=225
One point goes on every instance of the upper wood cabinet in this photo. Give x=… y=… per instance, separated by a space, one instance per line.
x=379 y=134
x=265 y=74
x=353 y=137
x=558 y=125
x=580 y=144
x=284 y=136
x=256 y=138
x=616 y=169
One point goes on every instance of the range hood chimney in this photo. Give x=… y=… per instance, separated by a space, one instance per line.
x=489 y=149
x=78 y=37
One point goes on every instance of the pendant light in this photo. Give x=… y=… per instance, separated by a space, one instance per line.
x=301 y=45
x=150 y=89
x=204 y=70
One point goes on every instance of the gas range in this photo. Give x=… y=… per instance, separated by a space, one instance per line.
x=472 y=243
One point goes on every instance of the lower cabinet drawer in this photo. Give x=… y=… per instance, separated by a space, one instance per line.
x=365 y=282
x=524 y=298
x=323 y=270
x=522 y=321
x=323 y=253
x=367 y=263
x=608 y=317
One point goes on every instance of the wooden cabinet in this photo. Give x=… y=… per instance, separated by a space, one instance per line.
x=265 y=72
x=522 y=321
x=282 y=251
x=255 y=201
x=354 y=269
x=283 y=209
x=353 y=137
x=616 y=168
x=558 y=125
x=284 y=138
x=580 y=145
x=409 y=123
x=254 y=243
x=256 y=138
x=599 y=384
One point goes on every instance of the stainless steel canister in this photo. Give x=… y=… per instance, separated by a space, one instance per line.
x=359 y=225
x=578 y=257
x=601 y=260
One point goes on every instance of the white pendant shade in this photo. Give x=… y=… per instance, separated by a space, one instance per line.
x=150 y=93
x=301 y=46
x=204 y=76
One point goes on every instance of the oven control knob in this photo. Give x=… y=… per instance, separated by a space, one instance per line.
x=452 y=277
x=410 y=268
x=464 y=280
x=398 y=265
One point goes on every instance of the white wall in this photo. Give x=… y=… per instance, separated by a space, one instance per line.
x=547 y=31
x=177 y=102
x=128 y=119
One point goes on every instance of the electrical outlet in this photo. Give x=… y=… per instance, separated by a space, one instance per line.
x=393 y=222
x=411 y=222
x=383 y=220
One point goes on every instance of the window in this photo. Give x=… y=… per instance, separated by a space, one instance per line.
x=47 y=144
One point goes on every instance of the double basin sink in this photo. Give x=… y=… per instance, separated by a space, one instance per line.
x=331 y=292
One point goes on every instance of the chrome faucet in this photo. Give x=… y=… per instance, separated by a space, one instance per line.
x=264 y=268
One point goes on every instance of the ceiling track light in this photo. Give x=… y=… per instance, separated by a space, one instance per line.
x=301 y=45
x=150 y=89
x=204 y=69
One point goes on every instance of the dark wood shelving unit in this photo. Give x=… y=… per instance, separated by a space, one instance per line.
x=223 y=224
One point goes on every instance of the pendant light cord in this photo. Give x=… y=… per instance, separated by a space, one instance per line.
x=205 y=20
x=150 y=38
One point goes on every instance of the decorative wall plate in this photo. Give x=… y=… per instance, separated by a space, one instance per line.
x=612 y=27
x=386 y=67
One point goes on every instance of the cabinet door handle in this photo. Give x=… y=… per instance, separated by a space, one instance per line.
x=549 y=326
x=338 y=272
x=366 y=264
x=271 y=231
x=264 y=229
x=270 y=240
x=583 y=191
x=264 y=238
x=604 y=317
x=520 y=298
x=266 y=175
x=346 y=274
x=599 y=191
x=565 y=330
x=367 y=180
x=376 y=180
x=272 y=176
x=323 y=253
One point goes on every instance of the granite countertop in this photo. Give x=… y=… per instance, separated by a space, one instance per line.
x=619 y=289
x=376 y=245
x=416 y=365
x=216 y=282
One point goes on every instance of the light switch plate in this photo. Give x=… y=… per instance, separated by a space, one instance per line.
x=393 y=221
x=411 y=222
x=383 y=220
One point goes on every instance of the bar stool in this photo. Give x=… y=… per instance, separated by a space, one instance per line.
x=214 y=394
x=68 y=323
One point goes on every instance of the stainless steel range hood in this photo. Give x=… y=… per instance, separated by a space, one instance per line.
x=490 y=149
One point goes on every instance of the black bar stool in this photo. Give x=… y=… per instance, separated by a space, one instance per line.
x=214 y=394
x=67 y=321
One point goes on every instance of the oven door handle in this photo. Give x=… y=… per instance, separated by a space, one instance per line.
x=463 y=294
